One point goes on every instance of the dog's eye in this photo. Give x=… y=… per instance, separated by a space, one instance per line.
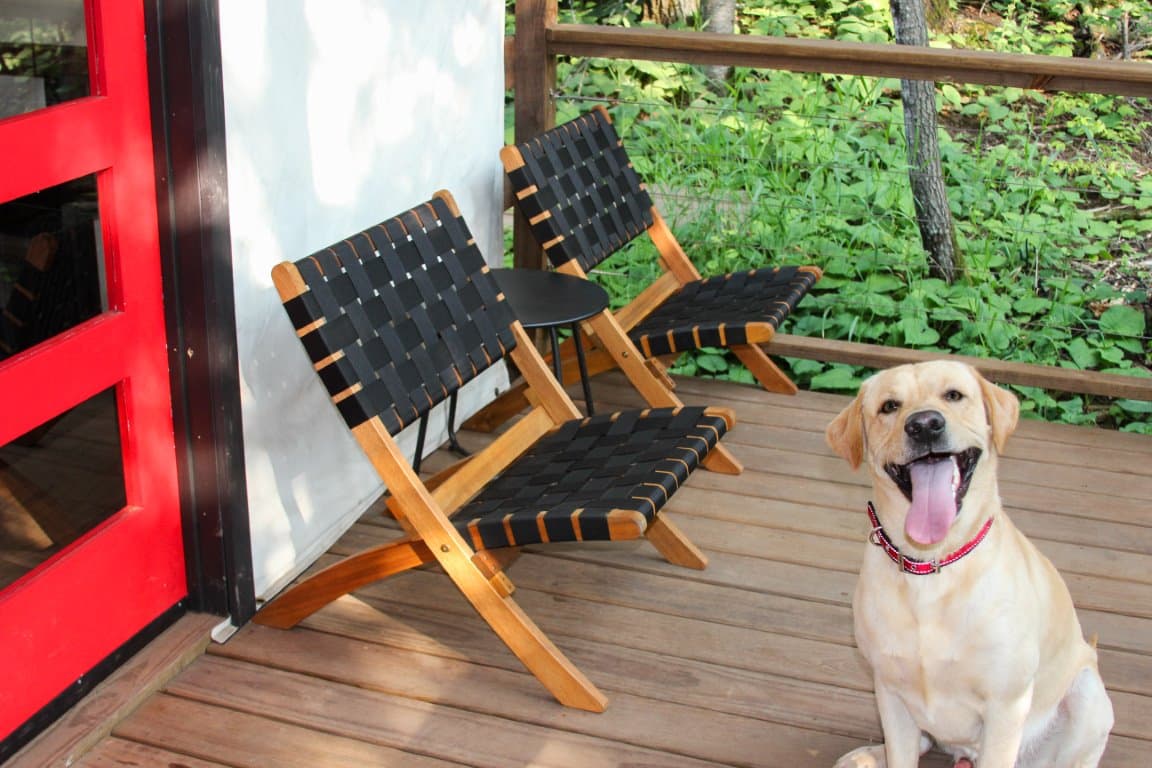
x=890 y=406
x=953 y=396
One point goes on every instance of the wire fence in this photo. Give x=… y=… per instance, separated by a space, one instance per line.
x=1051 y=198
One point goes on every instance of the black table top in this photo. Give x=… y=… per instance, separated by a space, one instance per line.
x=541 y=299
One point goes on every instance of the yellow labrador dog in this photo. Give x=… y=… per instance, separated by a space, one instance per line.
x=970 y=631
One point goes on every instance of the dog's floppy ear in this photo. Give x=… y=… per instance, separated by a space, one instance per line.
x=845 y=433
x=1003 y=410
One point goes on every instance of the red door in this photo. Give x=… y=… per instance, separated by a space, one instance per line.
x=89 y=514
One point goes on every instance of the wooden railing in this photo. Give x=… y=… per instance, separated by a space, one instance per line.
x=530 y=67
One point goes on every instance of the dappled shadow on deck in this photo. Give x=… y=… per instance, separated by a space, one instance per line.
x=750 y=662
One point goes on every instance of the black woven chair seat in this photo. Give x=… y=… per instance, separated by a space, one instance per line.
x=567 y=484
x=716 y=311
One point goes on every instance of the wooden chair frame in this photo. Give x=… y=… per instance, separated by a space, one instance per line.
x=678 y=271
x=424 y=511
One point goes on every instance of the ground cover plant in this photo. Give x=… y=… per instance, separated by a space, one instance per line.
x=1051 y=193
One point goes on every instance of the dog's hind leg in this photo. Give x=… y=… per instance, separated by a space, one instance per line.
x=1079 y=732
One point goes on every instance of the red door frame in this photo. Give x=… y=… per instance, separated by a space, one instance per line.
x=65 y=617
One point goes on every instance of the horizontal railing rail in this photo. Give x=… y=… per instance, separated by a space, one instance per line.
x=1054 y=73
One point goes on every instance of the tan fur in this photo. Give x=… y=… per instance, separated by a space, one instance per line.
x=985 y=658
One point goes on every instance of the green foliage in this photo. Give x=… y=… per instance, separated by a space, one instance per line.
x=784 y=167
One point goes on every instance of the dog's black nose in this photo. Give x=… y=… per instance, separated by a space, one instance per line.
x=925 y=426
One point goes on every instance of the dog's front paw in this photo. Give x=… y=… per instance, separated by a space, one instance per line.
x=864 y=757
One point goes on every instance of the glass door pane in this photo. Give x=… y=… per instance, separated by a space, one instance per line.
x=43 y=54
x=57 y=483
x=51 y=264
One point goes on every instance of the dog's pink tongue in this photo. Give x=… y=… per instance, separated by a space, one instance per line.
x=933 y=502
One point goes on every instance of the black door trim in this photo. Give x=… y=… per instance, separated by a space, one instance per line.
x=186 y=81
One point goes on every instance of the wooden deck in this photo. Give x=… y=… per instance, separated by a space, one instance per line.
x=748 y=663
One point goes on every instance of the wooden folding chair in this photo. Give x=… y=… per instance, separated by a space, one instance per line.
x=395 y=320
x=584 y=202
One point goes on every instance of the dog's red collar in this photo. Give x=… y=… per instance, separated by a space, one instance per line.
x=911 y=564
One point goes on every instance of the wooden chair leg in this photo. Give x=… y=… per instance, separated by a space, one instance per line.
x=542 y=658
x=766 y=372
x=721 y=460
x=338 y=579
x=524 y=638
x=674 y=545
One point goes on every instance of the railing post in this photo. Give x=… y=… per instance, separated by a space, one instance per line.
x=535 y=78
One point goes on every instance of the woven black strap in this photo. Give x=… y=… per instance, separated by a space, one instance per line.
x=405 y=314
x=565 y=486
x=716 y=312
x=585 y=181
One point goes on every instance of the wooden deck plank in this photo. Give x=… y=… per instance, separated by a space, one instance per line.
x=244 y=740
x=118 y=753
x=429 y=720
x=454 y=713
x=823 y=406
x=801 y=480
x=684 y=637
x=810 y=568
x=851 y=524
x=94 y=716
x=619 y=669
x=691 y=637
x=750 y=662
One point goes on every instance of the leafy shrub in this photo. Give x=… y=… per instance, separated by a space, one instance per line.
x=1046 y=190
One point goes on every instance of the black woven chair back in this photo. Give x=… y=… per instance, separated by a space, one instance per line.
x=401 y=315
x=585 y=182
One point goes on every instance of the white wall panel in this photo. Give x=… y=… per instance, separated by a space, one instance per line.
x=341 y=113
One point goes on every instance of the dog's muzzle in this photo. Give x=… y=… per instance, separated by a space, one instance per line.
x=935 y=477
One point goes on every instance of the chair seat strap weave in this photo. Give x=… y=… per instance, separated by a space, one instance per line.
x=400 y=316
x=579 y=174
x=716 y=312
x=565 y=486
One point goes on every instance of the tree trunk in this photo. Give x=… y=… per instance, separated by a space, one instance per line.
x=939 y=13
x=925 y=173
x=719 y=16
x=667 y=11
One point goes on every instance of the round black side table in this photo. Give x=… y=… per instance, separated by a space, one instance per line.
x=548 y=300
x=539 y=299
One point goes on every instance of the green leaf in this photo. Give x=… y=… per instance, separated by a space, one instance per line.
x=712 y=362
x=1082 y=355
x=838 y=378
x=917 y=333
x=951 y=95
x=1112 y=354
x=880 y=283
x=1134 y=406
x=1032 y=305
x=1122 y=320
